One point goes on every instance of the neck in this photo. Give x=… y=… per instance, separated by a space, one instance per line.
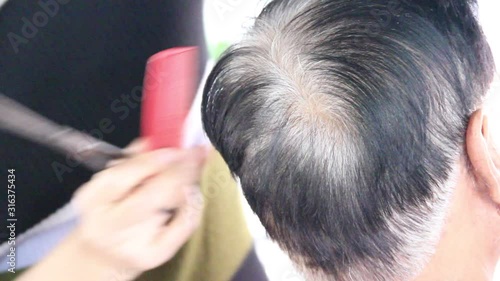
x=466 y=250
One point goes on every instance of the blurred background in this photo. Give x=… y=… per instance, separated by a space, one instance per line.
x=226 y=22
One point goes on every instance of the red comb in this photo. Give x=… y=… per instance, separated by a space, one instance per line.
x=169 y=88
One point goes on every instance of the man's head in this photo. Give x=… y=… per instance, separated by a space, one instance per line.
x=346 y=121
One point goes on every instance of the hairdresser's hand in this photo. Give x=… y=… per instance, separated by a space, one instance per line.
x=139 y=212
x=136 y=214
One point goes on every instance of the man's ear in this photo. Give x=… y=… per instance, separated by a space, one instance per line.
x=482 y=154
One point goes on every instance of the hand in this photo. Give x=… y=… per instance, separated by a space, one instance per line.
x=138 y=213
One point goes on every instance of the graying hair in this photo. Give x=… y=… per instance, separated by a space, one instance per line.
x=346 y=142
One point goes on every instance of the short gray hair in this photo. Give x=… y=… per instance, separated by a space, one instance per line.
x=346 y=137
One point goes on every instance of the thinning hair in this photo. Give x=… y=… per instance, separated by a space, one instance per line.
x=344 y=121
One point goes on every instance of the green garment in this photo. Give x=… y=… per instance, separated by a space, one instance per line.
x=219 y=246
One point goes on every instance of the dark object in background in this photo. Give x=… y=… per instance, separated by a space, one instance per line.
x=251 y=269
x=20 y=121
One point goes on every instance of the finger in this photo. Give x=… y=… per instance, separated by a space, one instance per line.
x=126 y=243
x=140 y=238
x=138 y=145
x=116 y=182
x=158 y=197
x=115 y=162
x=164 y=191
x=149 y=227
x=174 y=235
